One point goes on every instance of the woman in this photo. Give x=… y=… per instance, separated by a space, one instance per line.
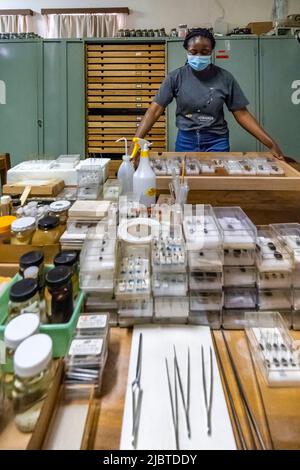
x=201 y=89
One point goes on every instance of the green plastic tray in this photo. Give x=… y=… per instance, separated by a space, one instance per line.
x=61 y=334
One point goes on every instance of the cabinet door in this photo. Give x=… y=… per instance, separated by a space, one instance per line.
x=176 y=57
x=63 y=97
x=19 y=62
x=240 y=57
x=280 y=92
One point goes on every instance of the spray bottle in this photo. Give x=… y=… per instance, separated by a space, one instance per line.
x=144 y=179
x=126 y=172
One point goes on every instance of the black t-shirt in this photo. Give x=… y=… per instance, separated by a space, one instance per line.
x=200 y=97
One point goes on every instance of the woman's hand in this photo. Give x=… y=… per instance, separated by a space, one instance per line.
x=276 y=152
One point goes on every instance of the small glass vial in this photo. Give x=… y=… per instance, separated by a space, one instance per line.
x=34 y=372
x=22 y=230
x=23 y=298
x=15 y=205
x=5 y=203
x=32 y=267
x=60 y=209
x=70 y=259
x=16 y=331
x=59 y=295
x=48 y=232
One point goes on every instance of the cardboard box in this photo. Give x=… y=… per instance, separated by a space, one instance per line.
x=41 y=188
x=260 y=27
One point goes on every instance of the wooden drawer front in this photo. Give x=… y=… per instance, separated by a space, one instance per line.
x=121 y=117
x=125 y=60
x=126 y=67
x=125 y=47
x=116 y=93
x=126 y=74
x=112 y=124
x=116 y=80
x=130 y=87
x=120 y=55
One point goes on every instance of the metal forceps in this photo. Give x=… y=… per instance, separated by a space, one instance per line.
x=208 y=400
x=185 y=400
x=137 y=394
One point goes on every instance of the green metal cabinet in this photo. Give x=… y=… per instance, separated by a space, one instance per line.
x=19 y=94
x=280 y=91
x=240 y=57
x=63 y=93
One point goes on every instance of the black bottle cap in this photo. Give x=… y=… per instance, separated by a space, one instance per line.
x=23 y=290
x=66 y=258
x=58 y=276
x=48 y=222
x=32 y=258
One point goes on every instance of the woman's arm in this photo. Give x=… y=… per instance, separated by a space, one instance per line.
x=250 y=124
x=152 y=115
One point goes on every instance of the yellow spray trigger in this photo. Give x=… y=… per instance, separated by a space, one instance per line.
x=142 y=144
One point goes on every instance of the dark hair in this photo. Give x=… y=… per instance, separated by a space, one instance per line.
x=199 y=33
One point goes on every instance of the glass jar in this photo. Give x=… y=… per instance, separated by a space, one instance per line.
x=138 y=33
x=5 y=203
x=27 y=263
x=16 y=331
x=70 y=259
x=23 y=298
x=48 y=232
x=5 y=228
x=15 y=205
x=34 y=372
x=22 y=231
x=59 y=295
x=60 y=210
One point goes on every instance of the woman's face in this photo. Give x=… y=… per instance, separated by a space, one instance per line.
x=199 y=46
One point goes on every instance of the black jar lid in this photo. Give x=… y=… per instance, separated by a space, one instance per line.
x=23 y=290
x=48 y=222
x=32 y=258
x=58 y=276
x=66 y=258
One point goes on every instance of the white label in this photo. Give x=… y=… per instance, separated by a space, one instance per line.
x=2 y=92
x=86 y=347
x=91 y=321
x=296 y=94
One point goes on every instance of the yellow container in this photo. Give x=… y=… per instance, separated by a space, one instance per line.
x=5 y=227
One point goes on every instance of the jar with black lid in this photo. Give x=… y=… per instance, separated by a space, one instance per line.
x=31 y=265
x=48 y=232
x=24 y=298
x=70 y=259
x=59 y=294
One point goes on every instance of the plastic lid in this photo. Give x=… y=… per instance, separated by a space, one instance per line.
x=23 y=290
x=60 y=206
x=32 y=258
x=20 y=328
x=22 y=224
x=5 y=199
x=31 y=273
x=5 y=223
x=33 y=355
x=66 y=258
x=58 y=276
x=48 y=222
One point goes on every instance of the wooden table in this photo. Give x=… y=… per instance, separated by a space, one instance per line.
x=279 y=424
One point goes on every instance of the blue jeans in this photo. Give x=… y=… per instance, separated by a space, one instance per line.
x=199 y=141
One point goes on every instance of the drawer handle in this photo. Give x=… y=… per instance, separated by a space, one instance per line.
x=139 y=105
x=138 y=73
x=139 y=85
x=138 y=53
x=138 y=98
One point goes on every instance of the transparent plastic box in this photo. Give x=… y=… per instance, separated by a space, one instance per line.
x=169 y=255
x=192 y=167
x=239 y=276
x=159 y=166
x=296 y=278
x=204 y=318
x=207 y=167
x=206 y=301
x=133 y=278
x=239 y=257
x=272 y=255
x=171 y=309
x=233 y=319
x=240 y=298
x=111 y=190
x=238 y=230
x=136 y=309
x=289 y=235
x=96 y=324
x=66 y=162
x=275 y=352
x=280 y=299
x=201 y=229
x=296 y=299
x=206 y=260
x=277 y=280
x=206 y=280
x=164 y=284
x=89 y=180
x=174 y=165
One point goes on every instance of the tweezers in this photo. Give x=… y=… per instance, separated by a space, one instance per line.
x=137 y=394
x=174 y=403
x=186 y=402
x=207 y=400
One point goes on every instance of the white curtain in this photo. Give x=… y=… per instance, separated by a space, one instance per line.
x=84 y=25
x=15 y=24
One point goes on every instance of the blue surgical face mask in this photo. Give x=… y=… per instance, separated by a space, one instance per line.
x=199 y=62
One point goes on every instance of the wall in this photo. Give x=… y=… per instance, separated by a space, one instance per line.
x=169 y=13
